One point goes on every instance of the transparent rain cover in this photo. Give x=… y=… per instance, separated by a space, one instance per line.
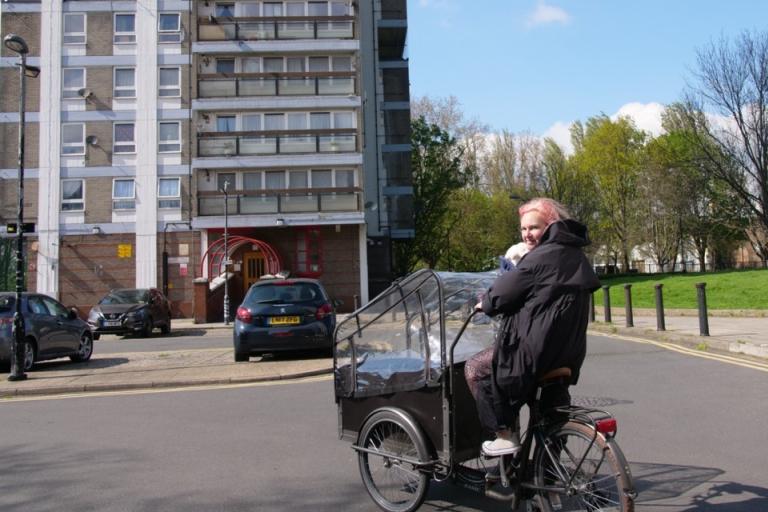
x=401 y=340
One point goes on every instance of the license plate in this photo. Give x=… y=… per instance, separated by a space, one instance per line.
x=111 y=323
x=284 y=320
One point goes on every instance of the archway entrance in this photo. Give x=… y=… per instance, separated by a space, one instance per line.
x=261 y=259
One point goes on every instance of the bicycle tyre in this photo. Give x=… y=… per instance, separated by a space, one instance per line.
x=394 y=485
x=603 y=481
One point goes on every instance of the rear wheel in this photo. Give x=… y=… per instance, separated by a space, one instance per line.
x=388 y=468
x=585 y=469
x=30 y=355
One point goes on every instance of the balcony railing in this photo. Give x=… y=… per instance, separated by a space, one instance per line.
x=253 y=202
x=276 y=142
x=276 y=84
x=281 y=27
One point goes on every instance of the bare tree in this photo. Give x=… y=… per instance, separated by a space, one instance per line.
x=732 y=82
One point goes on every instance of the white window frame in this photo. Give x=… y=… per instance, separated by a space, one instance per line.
x=124 y=202
x=74 y=37
x=166 y=35
x=68 y=147
x=73 y=92
x=169 y=201
x=129 y=90
x=175 y=145
x=123 y=37
x=169 y=91
x=117 y=147
x=78 y=203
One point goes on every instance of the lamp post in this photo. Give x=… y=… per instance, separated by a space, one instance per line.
x=226 y=252
x=17 y=45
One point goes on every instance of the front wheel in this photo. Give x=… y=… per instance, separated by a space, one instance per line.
x=389 y=466
x=84 y=350
x=584 y=471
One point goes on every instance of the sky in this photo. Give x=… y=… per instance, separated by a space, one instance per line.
x=536 y=66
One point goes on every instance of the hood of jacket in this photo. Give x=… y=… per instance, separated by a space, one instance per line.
x=566 y=232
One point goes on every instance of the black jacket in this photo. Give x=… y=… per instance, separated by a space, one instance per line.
x=545 y=303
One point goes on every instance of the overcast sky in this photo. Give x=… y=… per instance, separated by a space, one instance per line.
x=537 y=66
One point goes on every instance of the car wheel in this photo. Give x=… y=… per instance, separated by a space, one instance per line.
x=85 y=350
x=146 y=330
x=29 y=355
x=166 y=328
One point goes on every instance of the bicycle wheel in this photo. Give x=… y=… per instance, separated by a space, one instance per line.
x=587 y=475
x=388 y=470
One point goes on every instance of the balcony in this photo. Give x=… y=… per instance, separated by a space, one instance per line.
x=275 y=28
x=254 y=202
x=276 y=142
x=227 y=85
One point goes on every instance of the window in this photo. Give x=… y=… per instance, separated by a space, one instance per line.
x=345 y=178
x=275 y=180
x=273 y=9
x=252 y=180
x=320 y=120
x=72 y=195
x=322 y=178
x=169 y=193
x=309 y=253
x=343 y=120
x=125 y=28
x=170 y=137
x=273 y=64
x=124 y=138
x=274 y=122
x=226 y=123
x=72 y=80
x=297 y=179
x=74 y=28
x=225 y=10
x=169 y=27
x=225 y=65
x=318 y=8
x=251 y=122
x=73 y=139
x=318 y=64
x=125 y=83
x=123 y=194
x=342 y=63
x=170 y=82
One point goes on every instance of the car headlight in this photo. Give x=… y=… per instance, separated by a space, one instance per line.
x=136 y=314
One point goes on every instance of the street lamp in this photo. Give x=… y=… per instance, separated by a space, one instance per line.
x=226 y=252
x=17 y=45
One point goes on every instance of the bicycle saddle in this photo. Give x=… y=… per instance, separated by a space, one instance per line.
x=558 y=373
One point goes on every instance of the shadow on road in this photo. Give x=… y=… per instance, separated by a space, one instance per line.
x=655 y=482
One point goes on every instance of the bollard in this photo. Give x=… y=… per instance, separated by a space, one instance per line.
x=607 y=303
x=356 y=299
x=659 y=309
x=628 y=305
x=701 y=295
x=592 y=307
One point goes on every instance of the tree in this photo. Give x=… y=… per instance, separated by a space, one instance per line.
x=437 y=171
x=611 y=152
x=7 y=264
x=731 y=81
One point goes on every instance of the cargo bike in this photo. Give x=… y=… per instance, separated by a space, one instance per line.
x=404 y=404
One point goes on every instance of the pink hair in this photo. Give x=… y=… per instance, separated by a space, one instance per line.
x=549 y=209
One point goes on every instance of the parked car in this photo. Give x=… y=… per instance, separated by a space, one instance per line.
x=280 y=315
x=50 y=330
x=131 y=311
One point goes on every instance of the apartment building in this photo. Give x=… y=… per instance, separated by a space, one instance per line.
x=157 y=126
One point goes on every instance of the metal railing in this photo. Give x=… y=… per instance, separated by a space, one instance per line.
x=276 y=84
x=253 y=202
x=280 y=27
x=276 y=142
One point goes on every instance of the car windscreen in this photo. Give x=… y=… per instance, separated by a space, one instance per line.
x=126 y=297
x=7 y=304
x=283 y=292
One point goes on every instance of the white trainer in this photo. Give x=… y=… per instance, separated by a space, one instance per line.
x=500 y=446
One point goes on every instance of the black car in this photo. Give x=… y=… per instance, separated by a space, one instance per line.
x=131 y=311
x=280 y=315
x=50 y=330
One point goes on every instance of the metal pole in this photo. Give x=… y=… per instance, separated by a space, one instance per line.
x=701 y=295
x=592 y=307
x=628 y=305
x=17 y=359
x=660 y=326
x=165 y=260
x=607 y=303
x=226 y=253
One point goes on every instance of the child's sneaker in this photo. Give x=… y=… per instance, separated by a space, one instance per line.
x=500 y=446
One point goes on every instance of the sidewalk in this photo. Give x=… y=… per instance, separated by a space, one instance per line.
x=742 y=336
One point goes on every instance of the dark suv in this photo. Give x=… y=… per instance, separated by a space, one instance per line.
x=50 y=330
x=131 y=311
x=284 y=314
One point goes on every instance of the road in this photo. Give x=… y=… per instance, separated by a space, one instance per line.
x=692 y=428
x=190 y=339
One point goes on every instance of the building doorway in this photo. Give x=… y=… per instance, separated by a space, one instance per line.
x=254 y=266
